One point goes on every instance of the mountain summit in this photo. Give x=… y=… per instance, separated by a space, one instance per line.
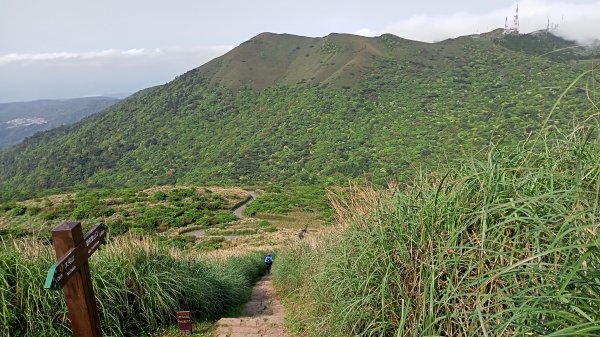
x=275 y=59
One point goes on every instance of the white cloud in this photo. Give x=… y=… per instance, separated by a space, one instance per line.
x=366 y=32
x=577 y=21
x=138 y=51
x=114 y=56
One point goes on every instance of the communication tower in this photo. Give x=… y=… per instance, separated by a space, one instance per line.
x=516 y=22
x=552 y=27
x=514 y=29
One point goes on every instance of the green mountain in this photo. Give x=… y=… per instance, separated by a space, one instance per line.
x=284 y=108
x=19 y=120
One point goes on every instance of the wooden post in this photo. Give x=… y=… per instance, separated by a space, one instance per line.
x=78 y=290
x=184 y=322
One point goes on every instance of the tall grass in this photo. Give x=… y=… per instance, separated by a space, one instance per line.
x=505 y=246
x=138 y=285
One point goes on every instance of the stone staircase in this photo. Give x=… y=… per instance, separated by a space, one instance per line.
x=263 y=316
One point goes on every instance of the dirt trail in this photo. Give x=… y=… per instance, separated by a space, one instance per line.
x=263 y=316
x=240 y=210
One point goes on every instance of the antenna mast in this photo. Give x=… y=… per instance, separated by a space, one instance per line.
x=516 y=22
x=552 y=27
x=514 y=29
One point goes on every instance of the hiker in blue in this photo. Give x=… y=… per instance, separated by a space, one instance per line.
x=269 y=262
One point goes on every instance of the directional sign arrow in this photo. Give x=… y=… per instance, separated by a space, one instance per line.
x=61 y=271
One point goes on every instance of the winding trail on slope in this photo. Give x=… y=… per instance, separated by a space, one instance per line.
x=238 y=212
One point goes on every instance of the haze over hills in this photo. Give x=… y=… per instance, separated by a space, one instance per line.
x=285 y=108
x=19 y=120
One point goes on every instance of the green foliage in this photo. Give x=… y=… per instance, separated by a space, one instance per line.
x=159 y=196
x=86 y=209
x=5 y=207
x=224 y=217
x=18 y=210
x=208 y=244
x=391 y=41
x=269 y=229
x=182 y=241
x=117 y=227
x=504 y=246
x=179 y=194
x=138 y=286
x=122 y=210
x=330 y=47
x=299 y=198
x=14 y=232
x=33 y=210
x=403 y=108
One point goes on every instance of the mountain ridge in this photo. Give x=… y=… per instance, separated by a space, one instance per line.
x=297 y=59
x=267 y=113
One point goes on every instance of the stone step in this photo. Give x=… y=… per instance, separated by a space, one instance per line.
x=263 y=316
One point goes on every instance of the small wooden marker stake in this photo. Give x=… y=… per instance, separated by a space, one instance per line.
x=72 y=273
x=184 y=322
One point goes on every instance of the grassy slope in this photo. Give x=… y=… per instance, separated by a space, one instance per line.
x=382 y=106
x=282 y=59
x=139 y=286
x=498 y=247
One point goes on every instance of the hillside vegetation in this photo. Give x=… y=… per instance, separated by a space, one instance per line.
x=302 y=110
x=154 y=210
x=503 y=246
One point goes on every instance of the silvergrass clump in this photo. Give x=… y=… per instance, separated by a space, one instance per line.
x=138 y=285
x=503 y=246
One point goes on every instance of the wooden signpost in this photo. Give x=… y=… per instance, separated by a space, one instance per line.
x=184 y=322
x=71 y=272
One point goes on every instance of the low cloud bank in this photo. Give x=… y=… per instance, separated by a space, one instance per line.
x=575 y=21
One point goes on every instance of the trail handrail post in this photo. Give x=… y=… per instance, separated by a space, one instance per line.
x=78 y=290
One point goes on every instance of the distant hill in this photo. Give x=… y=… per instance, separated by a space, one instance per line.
x=281 y=108
x=19 y=120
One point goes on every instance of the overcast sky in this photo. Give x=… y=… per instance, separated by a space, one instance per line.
x=74 y=48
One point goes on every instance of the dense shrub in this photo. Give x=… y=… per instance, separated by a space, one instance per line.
x=18 y=210
x=117 y=227
x=506 y=246
x=224 y=217
x=33 y=210
x=159 y=196
x=298 y=198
